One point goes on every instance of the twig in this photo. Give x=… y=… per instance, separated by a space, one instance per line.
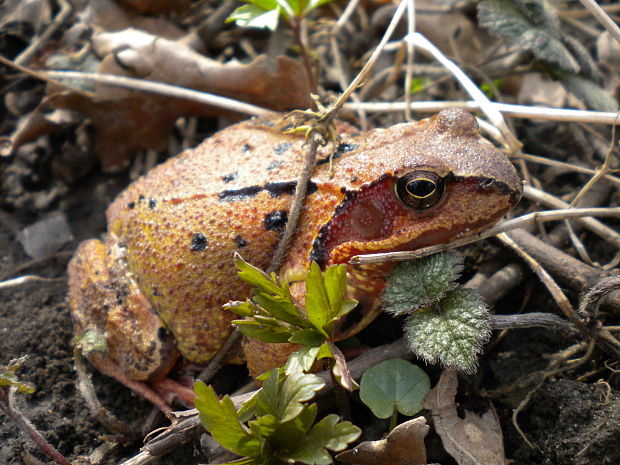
x=516 y=223
x=63 y=14
x=593 y=225
x=7 y=404
x=555 y=290
x=160 y=88
x=518 y=111
x=602 y=18
x=534 y=319
x=16 y=282
x=491 y=112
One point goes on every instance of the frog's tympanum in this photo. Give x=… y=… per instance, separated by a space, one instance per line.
x=156 y=285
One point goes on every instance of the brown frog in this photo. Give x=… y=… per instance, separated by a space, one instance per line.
x=155 y=287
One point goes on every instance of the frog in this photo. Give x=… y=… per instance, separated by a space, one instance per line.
x=154 y=288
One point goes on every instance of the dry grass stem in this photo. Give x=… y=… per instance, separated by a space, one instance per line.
x=516 y=223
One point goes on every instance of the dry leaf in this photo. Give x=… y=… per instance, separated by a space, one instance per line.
x=403 y=446
x=472 y=440
x=127 y=121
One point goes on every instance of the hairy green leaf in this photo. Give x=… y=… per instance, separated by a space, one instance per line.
x=418 y=283
x=452 y=331
x=317 y=301
x=592 y=94
x=256 y=277
x=262 y=332
x=394 y=385
x=531 y=25
x=301 y=360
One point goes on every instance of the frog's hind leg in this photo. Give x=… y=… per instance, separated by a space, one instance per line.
x=115 y=326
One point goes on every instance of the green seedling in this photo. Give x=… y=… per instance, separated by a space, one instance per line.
x=8 y=377
x=392 y=387
x=276 y=425
x=445 y=323
x=272 y=316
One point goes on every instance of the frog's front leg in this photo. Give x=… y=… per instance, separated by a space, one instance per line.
x=108 y=306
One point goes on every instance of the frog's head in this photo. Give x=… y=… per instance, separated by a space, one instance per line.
x=426 y=183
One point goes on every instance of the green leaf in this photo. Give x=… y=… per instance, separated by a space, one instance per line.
x=281 y=308
x=291 y=433
x=335 y=285
x=418 y=283
x=256 y=277
x=307 y=337
x=8 y=376
x=317 y=301
x=254 y=16
x=240 y=308
x=341 y=370
x=301 y=360
x=282 y=395
x=264 y=425
x=221 y=420
x=593 y=95
x=453 y=333
x=262 y=332
x=329 y=433
x=394 y=385
x=532 y=25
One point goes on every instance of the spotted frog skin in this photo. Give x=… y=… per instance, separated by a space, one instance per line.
x=154 y=288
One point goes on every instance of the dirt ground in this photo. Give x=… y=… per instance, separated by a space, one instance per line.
x=568 y=421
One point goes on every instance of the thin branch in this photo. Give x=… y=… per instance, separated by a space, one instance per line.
x=516 y=223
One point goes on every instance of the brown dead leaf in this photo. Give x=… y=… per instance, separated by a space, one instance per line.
x=473 y=440
x=403 y=446
x=126 y=121
x=155 y=7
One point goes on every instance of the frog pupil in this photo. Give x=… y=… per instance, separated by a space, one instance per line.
x=421 y=187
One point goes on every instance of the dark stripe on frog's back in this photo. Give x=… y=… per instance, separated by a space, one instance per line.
x=275 y=190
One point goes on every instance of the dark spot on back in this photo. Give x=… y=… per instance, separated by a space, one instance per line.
x=276 y=220
x=131 y=205
x=282 y=148
x=276 y=189
x=140 y=198
x=152 y=203
x=230 y=177
x=155 y=291
x=239 y=194
x=240 y=241
x=245 y=148
x=199 y=242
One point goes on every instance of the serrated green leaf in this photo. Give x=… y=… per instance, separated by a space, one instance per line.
x=594 y=96
x=418 y=283
x=264 y=425
x=256 y=277
x=254 y=16
x=248 y=408
x=301 y=360
x=317 y=302
x=307 y=337
x=532 y=26
x=394 y=385
x=329 y=433
x=221 y=420
x=291 y=433
x=281 y=308
x=240 y=308
x=282 y=395
x=454 y=334
x=262 y=332
x=335 y=285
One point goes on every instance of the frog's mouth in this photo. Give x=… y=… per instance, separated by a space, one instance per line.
x=376 y=221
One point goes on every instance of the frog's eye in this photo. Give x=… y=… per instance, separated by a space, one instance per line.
x=420 y=189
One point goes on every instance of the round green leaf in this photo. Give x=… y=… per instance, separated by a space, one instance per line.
x=394 y=385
